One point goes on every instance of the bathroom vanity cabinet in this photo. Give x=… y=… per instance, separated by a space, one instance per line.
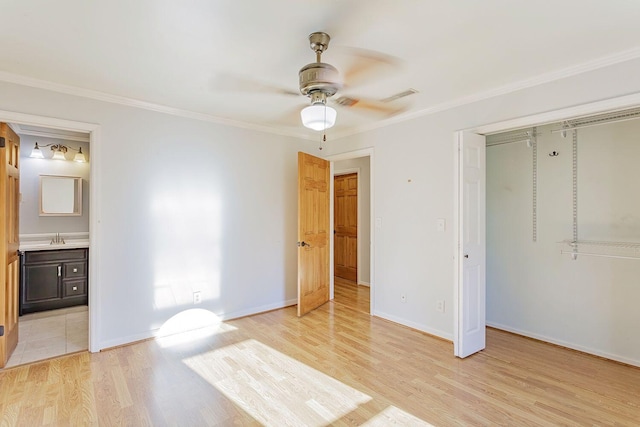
x=52 y=279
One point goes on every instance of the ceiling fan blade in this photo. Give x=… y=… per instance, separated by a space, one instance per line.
x=225 y=82
x=367 y=66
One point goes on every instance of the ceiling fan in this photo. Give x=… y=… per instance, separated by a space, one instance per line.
x=319 y=81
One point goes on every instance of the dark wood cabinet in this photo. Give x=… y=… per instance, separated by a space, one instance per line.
x=53 y=279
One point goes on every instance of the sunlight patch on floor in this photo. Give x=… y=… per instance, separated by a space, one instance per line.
x=189 y=326
x=275 y=389
x=393 y=416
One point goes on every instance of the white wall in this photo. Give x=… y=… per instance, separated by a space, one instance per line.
x=364 y=208
x=180 y=196
x=31 y=169
x=414 y=169
x=588 y=304
x=184 y=205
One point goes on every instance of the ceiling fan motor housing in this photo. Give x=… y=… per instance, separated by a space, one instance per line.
x=319 y=76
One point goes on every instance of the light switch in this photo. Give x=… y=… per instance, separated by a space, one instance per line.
x=441 y=224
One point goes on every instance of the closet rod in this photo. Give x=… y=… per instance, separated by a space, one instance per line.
x=509 y=142
x=570 y=128
x=598 y=255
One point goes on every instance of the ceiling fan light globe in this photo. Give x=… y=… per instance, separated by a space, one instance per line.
x=318 y=117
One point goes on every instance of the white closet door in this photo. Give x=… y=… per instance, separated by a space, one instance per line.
x=470 y=323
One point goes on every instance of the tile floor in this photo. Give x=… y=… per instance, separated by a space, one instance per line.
x=51 y=333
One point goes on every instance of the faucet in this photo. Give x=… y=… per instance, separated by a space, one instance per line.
x=57 y=240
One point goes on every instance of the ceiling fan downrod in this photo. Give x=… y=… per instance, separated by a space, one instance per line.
x=319 y=76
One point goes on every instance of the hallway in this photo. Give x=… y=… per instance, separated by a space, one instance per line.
x=352 y=295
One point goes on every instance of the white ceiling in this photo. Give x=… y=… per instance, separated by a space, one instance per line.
x=180 y=54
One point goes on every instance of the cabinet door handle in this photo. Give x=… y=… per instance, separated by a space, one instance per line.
x=59 y=270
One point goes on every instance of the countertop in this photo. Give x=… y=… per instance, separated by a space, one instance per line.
x=47 y=246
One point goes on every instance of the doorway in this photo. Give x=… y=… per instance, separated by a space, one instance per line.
x=351 y=263
x=53 y=304
x=90 y=133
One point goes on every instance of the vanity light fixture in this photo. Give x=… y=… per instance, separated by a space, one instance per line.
x=59 y=152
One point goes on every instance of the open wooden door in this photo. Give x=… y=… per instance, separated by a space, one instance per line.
x=9 y=241
x=313 y=232
x=345 y=218
x=470 y=331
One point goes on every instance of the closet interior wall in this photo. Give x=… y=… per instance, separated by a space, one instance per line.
x=589 y=303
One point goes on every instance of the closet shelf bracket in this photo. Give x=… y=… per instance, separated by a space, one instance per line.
x=604 y=249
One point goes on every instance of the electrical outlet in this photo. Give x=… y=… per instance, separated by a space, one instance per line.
x=197 y=297
x=403 y=298
x=440 y=306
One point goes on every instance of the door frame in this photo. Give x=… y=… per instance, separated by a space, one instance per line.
x=94 y=131
x=607 y=105
x=350 y=155
x=341 y=172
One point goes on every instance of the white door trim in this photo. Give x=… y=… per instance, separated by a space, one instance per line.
x=366 y=152
x=94 y=131
x=603 y=106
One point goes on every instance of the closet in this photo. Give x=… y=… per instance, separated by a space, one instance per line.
x=563 y=233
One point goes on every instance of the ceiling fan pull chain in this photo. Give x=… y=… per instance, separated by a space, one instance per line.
x=324 y=131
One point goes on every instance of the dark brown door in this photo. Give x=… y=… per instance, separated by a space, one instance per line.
x=345 y=217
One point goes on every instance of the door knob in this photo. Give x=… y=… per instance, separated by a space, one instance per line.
x=466 y=256
x=303 y=244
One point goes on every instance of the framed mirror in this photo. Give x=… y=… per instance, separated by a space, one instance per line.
x=60 y=195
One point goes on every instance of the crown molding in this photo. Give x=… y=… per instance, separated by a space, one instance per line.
x=538 y=80
x=574 y=70
x=136 y=103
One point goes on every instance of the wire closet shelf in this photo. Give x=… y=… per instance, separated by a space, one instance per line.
x=620 y=250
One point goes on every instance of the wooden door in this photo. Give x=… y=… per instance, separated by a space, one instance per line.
x=313 y=232
x=345 y=217
x=471 y=322
x=9 y=241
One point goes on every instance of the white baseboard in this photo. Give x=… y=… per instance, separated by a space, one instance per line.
x=361 y=283
x=257 y=310
x=420 y=327
x=566 y=344
x=116 y=342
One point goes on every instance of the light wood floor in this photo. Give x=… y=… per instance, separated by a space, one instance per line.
x=351 y=294
x=335 y=366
